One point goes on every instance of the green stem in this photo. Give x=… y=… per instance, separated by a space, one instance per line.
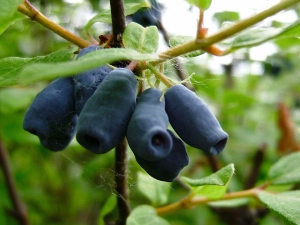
x=224 y=33
x=159 y=75
x=191 y=201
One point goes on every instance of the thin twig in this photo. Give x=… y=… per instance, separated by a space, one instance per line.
x=37 y=16
x=118 y=27
x=200 y=24
x=213 y=162
x=159 y=75
x=256 y=166
x=191 y=201
x=19 y=210
x=121 y=182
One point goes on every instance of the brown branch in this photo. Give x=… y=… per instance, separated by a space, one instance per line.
x=214 y=162
x=37 y=16
x=256 y=165
x=118 y=20
x=121 y=182
x=19 y=211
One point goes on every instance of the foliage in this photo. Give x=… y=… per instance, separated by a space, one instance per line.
x=258 y=170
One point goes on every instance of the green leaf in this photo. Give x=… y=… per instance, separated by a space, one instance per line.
x=10 y=67
x=256 y=36
x=144 y=40
x=8 y=9
x=202 y=4
x=46 y=71
x=109 y=205
x=5 y=23
x=213 y=186
x=14 y=99
x=285 y=204
x=104 y=15
x=145 y=215
x=221 y=177
x=221 y=17
x=181 y=39
x=286 y=170
x=156 y=191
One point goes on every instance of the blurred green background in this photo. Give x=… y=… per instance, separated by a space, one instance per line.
x=71 y=187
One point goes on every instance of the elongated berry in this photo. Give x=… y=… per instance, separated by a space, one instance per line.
x=86 y=83
x=167 y=168
x=192 y=120
x=52 y=116
x=104 y=119
x=147 y=133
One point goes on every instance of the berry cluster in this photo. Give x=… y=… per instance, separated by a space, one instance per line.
x=101 y=107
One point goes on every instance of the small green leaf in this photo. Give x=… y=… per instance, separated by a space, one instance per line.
x=109 y=205
x=256 y=36
x=213 y=186
x=286 y=170
x=156 y=191
x=47 y=71
x=145 y=215
x=11 y=67
x=104 y=15
x=210 y=191
x=285 y=204
x=202 y=4
x=179 y=40
x=221 y=177
x=144 y=40
x=221 y=17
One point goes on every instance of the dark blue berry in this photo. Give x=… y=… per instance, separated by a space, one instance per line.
x=147 y=130
x=192 y=120
x=52 y=116
x=104 y=119
x=167 y=168
x=86 y=83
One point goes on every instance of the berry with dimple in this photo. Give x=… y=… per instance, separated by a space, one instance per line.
x=147 y=131
x=192 y=120
x=52 y=116
x=86 y=83
x=167 y=168
x=104 y=118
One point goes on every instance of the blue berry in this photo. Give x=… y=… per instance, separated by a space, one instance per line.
x=167 y=168
x=192 y=120
x=52 y=116
x=104 y=119
x=86 y=83
x=147 y=130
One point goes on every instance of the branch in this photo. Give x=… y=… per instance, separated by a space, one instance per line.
x=121 y=182
x=191 y=201
x=37 y=16
x=118 y=20
x=224 y=33
x=256 y=166
x=19 y=211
